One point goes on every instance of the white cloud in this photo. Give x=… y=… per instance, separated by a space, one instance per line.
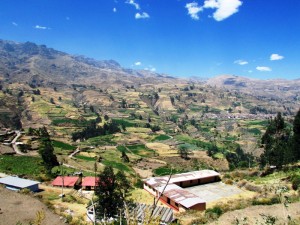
x=263 y=68
x=41 y=27
x=250 y=71
x=137 y=63
x=114 y=10
x=211 y=4
x=241 y=62
x=15 y=24
x=224 y=8
x=276 y=57
x=132 y=2
x=143 y=15
x=150 y=68
x=193 y=10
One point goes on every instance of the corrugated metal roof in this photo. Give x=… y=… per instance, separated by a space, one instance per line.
x=181 y=177
x=176 y=193
x=90 y=181
x=143 y=211
x=68 y=181
x=17 y=182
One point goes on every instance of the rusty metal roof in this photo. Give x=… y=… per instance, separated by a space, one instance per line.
x=176 y=193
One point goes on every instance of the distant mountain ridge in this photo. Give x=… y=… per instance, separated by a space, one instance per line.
x=275 y=88
x=39 y=65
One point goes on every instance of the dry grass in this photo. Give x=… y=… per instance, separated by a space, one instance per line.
x=19 y=207
x=162 y=149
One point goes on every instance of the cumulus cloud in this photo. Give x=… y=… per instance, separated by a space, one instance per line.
x=114 y=10
x=41 y=27
x=137 y=63
x=142 y=15
x=276 y=57
x=193 y=10
x=263 y=68
x=241 y=62
x=15 y=24
x=132 y=2
x=224 y=8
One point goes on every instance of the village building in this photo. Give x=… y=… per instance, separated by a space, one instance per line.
x=89 y=183
x=171 y=190
x=66 y=181
x=17 y=184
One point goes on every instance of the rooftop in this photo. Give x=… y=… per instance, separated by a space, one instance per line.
x=90 y=181
x=17 y=182
x=66 y=181
x=176 y=193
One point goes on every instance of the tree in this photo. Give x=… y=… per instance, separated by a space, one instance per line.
x=47 y=151
x=183 y=152
x=277 y=144
x=111 y=192
x=52 y=101
x=296 y=137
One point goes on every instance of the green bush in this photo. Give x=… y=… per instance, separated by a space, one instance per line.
x=296 y=182
x=217 y=211
x=266 y=201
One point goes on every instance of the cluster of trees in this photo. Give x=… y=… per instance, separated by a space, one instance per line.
x=281 y=142
x=239 y=159
x=93 y=130
x=236 y=159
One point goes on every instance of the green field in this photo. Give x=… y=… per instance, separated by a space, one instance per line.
x=21 y=165
x=161 y=171
x=62 y=145
x=117 y=165
x=141 y=150
x=86 y=158
x=161 y=137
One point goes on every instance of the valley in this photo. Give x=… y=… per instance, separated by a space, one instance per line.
x=143 y=123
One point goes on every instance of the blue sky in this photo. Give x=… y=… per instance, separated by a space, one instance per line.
x=204 y=38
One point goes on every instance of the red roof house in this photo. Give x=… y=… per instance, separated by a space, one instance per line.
x=89 y=183
x=65 y=181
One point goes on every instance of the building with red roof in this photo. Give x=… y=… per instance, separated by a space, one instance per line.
x=65 y=181
x=89 y=183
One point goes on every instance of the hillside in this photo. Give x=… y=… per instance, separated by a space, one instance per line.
x=97 y=111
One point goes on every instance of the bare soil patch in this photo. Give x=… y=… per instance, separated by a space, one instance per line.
x=145 y=166
x=253 y=214
x=19 y=207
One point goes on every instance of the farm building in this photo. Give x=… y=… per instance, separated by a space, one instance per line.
x=173 y=193
x=16 y=183
x=89 y=183
x=68 y=182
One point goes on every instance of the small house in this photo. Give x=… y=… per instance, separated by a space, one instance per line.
x=89 y=183
x=17 y=184
x=65 y=181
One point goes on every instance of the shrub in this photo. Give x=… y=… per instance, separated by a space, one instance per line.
x=296 y=182
x=266 y=201
x=228 y=181
x=214 y=212
x=251 y=187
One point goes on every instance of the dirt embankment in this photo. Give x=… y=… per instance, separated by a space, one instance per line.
x=16 y=207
